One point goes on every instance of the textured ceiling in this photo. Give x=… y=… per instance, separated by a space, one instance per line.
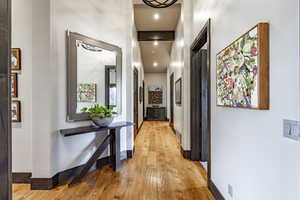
x=144 y=21
x=159 y=54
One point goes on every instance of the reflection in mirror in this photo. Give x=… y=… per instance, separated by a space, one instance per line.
x=94 y=75
x=91 y=76
x=110 y=86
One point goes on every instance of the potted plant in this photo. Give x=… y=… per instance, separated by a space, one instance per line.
x=100 y=115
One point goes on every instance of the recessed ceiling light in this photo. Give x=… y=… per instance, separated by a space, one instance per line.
x=156 y=16
x=155 y=64
x=155 y=43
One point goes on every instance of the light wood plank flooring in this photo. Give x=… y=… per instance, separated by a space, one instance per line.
x=157 y=172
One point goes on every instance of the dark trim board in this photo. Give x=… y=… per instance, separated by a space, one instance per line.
x=62 y=177
x=44 y=183
x=156 y=35
x=140 y=127
x=187 y=154
x=173 y=129
x=5 y=101
x=129 y=154
x=214 y=190
x=21 y=178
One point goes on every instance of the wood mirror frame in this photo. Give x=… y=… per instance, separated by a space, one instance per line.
x=72 y=37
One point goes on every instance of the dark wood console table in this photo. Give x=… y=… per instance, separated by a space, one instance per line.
x=112 y=139
x=156 y=113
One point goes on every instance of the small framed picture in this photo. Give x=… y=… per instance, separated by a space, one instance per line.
x=87 y=92
x=16 y=111
x=15 y=59
x=178 y=91
x=14 y=85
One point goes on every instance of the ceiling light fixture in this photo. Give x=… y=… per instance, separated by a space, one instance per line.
x=159 y=3
x=155 y=43
x=155 y=64
x=156 y=16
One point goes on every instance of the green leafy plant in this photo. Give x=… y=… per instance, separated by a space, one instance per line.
x=99 y=111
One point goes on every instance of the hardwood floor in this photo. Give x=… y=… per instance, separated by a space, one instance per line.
x=157 y=172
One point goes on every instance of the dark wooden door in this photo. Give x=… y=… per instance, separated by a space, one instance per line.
x=199 y=106
x=5 y=96
x=136 y=101
x=172 y=100
x=143 y=100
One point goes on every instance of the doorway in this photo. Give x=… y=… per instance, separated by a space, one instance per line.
x=136 y=101
x=200 y=98
x=5 y=102
x=143 y=100
x=172 y=101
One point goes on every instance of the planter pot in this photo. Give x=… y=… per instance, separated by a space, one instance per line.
x=102 y=122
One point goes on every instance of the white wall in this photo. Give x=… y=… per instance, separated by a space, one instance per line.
x=180 y=66
x=248 y=149
x=138 y=64
x=156 y=79
x=110 y=21
x=176 y=67
x=21 y=132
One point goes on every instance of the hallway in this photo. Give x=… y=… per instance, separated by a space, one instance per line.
x=157 y=171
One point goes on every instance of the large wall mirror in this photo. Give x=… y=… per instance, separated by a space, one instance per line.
x=94 y=75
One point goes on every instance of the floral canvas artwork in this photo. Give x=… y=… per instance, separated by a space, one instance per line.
x=86 y=92
x=238 y=72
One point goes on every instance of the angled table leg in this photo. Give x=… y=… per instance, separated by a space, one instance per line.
x=115 y=149
x=91 y=161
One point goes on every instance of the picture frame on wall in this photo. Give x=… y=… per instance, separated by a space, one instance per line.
x=16 y=111
x=178 y=91
x=155 y=97
x=141 y=94
x=14 y=85
x=15 y=59
x=87 y=92
x=243 y=71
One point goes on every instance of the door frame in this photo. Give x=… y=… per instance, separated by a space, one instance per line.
x=143 y=95
x=205 y=37
x=5 y=101
x=136 y=101
x=172 y=82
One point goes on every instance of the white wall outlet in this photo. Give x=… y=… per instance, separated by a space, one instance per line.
x=291 y=129
x=230 y=190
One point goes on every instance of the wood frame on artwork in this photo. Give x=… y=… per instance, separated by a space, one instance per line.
x=18 y=103
x=18 y=56
x=14 y=80
x=178 y=100
x=263 y=67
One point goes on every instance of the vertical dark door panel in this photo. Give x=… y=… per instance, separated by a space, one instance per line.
x=195 y=107
x=5 y=121
x=143 y=100
x=204 y=154
x=172 y=100
x=199 y=106
x=136 y=100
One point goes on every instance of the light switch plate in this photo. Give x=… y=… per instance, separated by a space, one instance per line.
x=291 y=129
